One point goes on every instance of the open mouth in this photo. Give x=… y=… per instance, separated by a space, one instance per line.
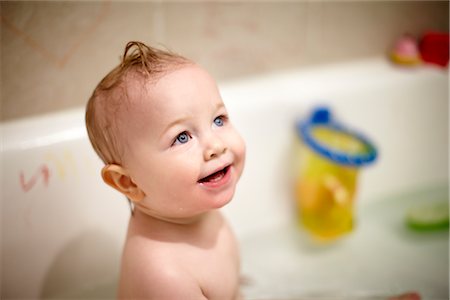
x=215 y=177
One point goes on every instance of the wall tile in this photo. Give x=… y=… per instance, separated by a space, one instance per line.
x=235 y=39
x=54 y=53
x=347 y=30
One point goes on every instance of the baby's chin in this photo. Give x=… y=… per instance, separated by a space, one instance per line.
x=222 y=198
x=227 y=197
x=225 y=200
x=219 y=201
x=206 y=206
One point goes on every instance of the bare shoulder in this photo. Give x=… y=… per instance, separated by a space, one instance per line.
x=150 y=272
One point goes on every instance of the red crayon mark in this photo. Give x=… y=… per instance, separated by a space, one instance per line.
x=28 y=185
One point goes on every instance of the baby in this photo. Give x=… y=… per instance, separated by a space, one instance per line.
x=159 y=124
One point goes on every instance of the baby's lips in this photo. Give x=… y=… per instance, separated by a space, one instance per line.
x=223 y=166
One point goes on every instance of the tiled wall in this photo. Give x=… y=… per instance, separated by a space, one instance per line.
x=54 y=53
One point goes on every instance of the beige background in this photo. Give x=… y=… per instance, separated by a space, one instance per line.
x=54 y=53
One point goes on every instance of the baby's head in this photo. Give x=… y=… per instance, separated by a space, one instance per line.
x=159 y=124
x=140 y=64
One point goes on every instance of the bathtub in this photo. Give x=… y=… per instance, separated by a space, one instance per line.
x=63 y=229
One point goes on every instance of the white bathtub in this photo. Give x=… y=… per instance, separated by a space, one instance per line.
x=62 y=228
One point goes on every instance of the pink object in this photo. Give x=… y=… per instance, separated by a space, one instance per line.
x=406 y=51
x=406 y=46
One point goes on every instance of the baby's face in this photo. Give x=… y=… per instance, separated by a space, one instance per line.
x=181 y=149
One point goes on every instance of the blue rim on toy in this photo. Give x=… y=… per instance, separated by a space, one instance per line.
x=322 y=117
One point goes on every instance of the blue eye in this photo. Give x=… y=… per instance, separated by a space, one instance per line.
x=219 y=121
x=182 y=138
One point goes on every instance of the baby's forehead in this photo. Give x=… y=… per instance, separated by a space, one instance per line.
x=140 y=95
x=177 y=84
x=181 y=89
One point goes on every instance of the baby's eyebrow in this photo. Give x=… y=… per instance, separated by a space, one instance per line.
x=181 y=120
x=173 y=123
x=220 y=105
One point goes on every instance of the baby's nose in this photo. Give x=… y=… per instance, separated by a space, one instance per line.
x=214 y=149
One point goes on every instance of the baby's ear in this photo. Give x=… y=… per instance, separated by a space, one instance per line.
x=117 y=177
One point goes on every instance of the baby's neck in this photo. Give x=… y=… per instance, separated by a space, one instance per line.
x=152 y=216
x=202 y=230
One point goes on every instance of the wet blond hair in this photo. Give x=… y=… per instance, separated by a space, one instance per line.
x=139 y=62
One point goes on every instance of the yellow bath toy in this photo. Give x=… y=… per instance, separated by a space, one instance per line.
x=330 y=157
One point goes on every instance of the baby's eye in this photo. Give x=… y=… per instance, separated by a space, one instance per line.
x=182 y=138
x=220 y=120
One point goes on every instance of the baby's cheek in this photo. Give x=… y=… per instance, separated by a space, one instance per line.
x=242 y=149
x=185 y=170
x=239 y=142
x=239 y=149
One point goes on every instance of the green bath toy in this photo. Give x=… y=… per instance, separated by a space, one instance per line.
x=430 y=216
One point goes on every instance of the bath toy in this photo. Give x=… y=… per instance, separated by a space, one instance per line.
x=429 y=216
x=330 y=156
x=434 y=48
x=406 y=51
